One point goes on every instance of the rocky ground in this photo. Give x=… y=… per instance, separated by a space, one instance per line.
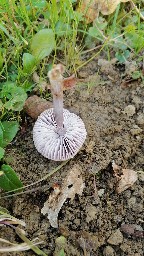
x=100 y=221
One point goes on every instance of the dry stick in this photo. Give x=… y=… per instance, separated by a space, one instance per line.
x=40 y=180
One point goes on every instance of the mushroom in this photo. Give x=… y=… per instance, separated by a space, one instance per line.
x=58 y=134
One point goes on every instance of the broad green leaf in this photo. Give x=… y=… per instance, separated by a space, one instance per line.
x=100 y=23
x=16 y=96
x=2 y=151
x=16 y=103
x=8 y=178
x=7 y=87
x=9 y=132
x=136 y=74
x=38 y=3
x=61 y=253
x=122 y=56
x=94 y=32
x=62 y=29
x=28 y=86
x=29 y=62
x=43 y=43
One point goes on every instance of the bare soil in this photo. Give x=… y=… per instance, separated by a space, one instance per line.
x=92 y=222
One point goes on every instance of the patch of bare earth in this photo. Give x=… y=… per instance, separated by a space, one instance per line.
x=93 y=222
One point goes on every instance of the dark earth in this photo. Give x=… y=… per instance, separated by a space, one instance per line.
x=111 y=105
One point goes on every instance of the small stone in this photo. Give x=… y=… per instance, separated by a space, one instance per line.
x=116 y=238
x=117 y=110
x=82 y=74
x=61 y=241
x=109 y=251
x=101 y=192
x=140 y=119
x=136 y=100
x=141 y=176
x=136 y=130
x=77 y=222
x=130 y=67
x=132 y=201
x=91 y=213
x=129 y=110
x=127 y=229
x=132 y=230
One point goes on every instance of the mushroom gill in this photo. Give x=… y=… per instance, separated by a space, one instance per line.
x=58 y=134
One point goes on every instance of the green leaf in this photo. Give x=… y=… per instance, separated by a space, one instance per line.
x=61 y=253
x=39 y=3
x=122 y=56
x=8 y=178
x=7 y=88
x=10 y=130
x=62 y=29
x=94 y=32
x=28 y=86
x=16 y=103
x=100 y=23
x=2 y=151
x=16 y=96
x=43 y=43
x=137 y=74
x=29 y=62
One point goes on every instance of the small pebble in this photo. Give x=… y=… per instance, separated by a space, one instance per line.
x=131 y=201
x=116 y=238
x=109 y=251
x=136 y=130
x=141 y=176
x=132 y=230
x=140 y=119
x=129 y=110
x=101 y=192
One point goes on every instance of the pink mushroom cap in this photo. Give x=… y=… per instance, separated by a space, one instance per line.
x=50 y=143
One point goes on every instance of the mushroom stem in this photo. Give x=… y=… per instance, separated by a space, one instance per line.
x=58 y=104
x=56 y=81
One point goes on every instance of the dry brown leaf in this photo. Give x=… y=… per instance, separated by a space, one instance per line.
x=125 y=178
x=69 y=82
x=73 y=184
x=109 y=6
x=91 y=8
